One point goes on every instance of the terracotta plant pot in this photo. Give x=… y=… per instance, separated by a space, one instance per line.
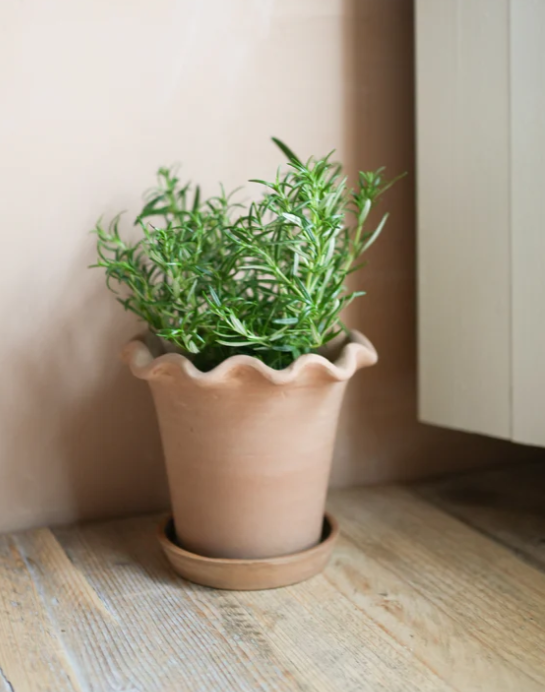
x=248 y=449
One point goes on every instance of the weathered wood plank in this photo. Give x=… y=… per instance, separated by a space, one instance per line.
x=87 y=629
x=123 y=562
x=137 y=641
x=318 y=632
x=432 y=635
x=413 y=600
x=498 y=599
x=32 y=658
x=307 y=637
x=507 y=504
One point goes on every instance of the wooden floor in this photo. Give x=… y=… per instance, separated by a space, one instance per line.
x=434 y=587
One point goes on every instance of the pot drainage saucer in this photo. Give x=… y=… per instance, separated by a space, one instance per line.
x=249 y=575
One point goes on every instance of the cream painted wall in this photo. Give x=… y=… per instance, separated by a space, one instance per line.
x=95 y=95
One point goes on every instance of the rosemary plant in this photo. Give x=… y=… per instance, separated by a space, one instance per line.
x=268 y=280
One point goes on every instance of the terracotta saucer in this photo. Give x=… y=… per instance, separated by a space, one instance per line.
x=249 y=575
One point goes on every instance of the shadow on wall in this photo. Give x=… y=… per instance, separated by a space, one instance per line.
x=76 y=407
x=379 y=436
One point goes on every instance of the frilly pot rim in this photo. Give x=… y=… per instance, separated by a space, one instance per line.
x=147 y=360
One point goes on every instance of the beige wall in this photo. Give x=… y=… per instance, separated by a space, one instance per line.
x=94 y=96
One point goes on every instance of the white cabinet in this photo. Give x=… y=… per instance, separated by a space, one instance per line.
x=481 y=215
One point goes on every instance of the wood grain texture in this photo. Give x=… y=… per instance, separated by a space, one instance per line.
x=31 y=654
x=496 y=598
x=429 y=631
x=414 y=599
x=504 y=504
x=262 y=638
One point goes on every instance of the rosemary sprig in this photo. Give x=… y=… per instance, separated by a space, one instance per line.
x=217 y=279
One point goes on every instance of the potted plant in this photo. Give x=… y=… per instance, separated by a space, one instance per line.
x=247 y=359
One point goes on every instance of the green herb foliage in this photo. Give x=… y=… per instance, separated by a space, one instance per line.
x=267 y=280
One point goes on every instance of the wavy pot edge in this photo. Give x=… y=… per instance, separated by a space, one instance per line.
x=356 y=352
